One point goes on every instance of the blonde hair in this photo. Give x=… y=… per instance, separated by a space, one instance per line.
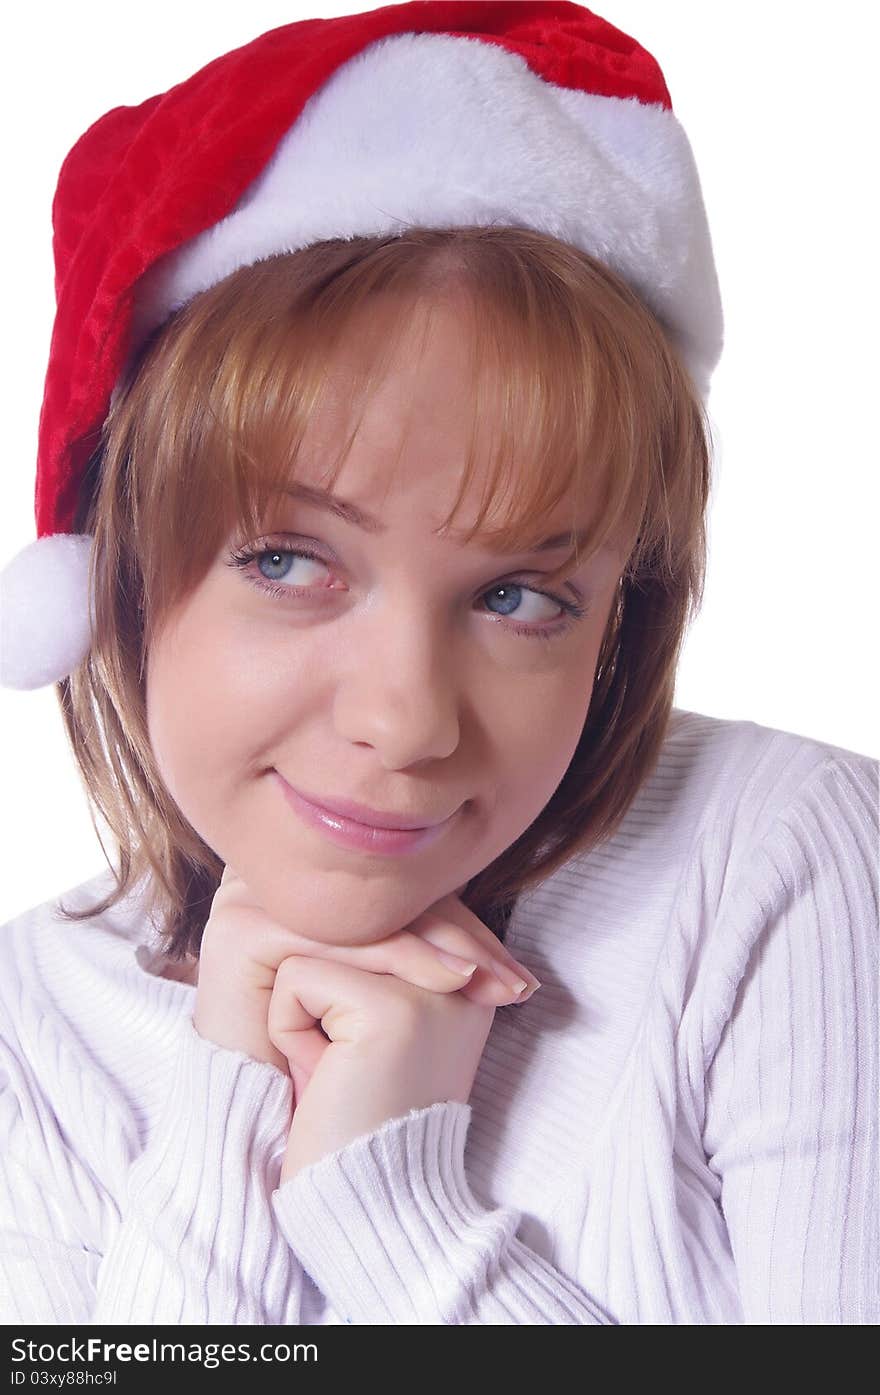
x=206 y=429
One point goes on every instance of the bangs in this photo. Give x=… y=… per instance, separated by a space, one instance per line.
x=573 y=392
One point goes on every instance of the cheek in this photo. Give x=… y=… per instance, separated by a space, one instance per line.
x=202 y=701
x=534 y=748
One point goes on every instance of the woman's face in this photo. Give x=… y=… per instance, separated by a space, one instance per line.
x=400 y=676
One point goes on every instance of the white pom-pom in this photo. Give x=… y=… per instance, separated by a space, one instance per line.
x=46 y=612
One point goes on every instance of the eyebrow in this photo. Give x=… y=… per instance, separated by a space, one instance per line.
x=351 y=513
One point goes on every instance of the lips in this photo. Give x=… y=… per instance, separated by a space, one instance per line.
x=363 y=838
x=372 y=818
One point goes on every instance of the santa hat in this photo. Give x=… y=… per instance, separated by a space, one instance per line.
x=535 y=113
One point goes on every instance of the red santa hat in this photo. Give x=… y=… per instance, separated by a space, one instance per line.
x=535 y=113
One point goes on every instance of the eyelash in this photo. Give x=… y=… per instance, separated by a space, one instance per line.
x=246 y=555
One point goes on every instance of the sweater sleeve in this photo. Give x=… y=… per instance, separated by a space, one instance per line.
x=391 y=1233
x=791 y=1105
x=191 y=1238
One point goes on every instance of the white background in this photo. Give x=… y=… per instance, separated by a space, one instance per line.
x=777 y=102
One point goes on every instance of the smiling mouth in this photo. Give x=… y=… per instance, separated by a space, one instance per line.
x=370 y=818
x=362 y=837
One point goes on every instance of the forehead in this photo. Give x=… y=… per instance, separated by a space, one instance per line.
x=358 y=516
x=410 y=419
x=420 y=430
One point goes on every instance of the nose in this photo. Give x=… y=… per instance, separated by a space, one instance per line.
x=400 y=692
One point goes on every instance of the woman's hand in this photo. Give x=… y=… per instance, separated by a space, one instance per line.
x=390 y=1046
x=242 y=948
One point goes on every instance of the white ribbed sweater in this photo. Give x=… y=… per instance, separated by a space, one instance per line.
x=679 y=1127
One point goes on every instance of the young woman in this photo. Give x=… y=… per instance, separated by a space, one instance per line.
x=371 y=510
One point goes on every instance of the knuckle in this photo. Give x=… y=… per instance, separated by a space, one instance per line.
x=397 y=955
x=290 y=969
x=464 y=934
x=451 y=939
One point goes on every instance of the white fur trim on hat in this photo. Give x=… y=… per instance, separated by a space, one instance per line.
x=46 y=618
x=404 y=133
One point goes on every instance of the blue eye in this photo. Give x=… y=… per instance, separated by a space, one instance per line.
x=513 y=592
x=246 y=557
x=277 y=552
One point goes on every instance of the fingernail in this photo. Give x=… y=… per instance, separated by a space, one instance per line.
x=510 y=980
x=518 y=975
x=454 y=961
x=524 y=997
